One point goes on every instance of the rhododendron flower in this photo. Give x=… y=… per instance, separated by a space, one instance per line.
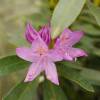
x=31 y=34
x=64 y=45
x=42 y=60
x=42 y=57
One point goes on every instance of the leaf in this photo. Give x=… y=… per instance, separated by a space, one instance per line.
x=73 y=65
x=75 y=76
x=65 y=14
x=23 y=91
x=53 y=92
x=88 y=29
x=68 y=88
x=95 y=11
x=92 y=75
x=11 y=64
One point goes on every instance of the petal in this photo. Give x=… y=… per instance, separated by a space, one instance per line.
x=57 y=43
x=30 y=33
x=39 y=43
x=54 y=55
x=75 y=38
x=51 y=72
x=26 y=54
x=62 y=40
x=75 y=52
x=62 y=51
x=34 y=70
x=45 y=33
x=66 y=33
x=69 y=38
x=72 y=53
x=67 y=57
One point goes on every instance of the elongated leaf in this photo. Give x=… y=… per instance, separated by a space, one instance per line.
x=23 y=91
x=92 y=75
x=70 y=65
x=95 y=11
x=10 y=64
x=53 y=92
x=65 y=14
x=75 y=76
x=88 y=29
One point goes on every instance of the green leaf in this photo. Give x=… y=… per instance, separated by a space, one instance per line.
x=23 y=91
x=95 y=11
x=88 y=29
x=53 y=92
x=92 y=75
x=65 y=14
x=73 y=65
x=11 y=64
x=75 y=76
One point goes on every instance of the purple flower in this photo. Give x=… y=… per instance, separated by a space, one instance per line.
x=31 y=34
x=64 y=45
x=42 y=60
x=42 y=57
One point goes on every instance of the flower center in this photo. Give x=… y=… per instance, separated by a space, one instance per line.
x=41 y=50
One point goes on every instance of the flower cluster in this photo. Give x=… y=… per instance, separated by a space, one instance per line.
x=42 y=57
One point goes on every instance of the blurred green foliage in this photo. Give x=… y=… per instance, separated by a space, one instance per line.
x=14 y=14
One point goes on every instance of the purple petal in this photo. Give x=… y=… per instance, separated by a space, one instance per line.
x=72 y=53
x=34 y=70
x=62 y=40
x=54 y=55
x=39 y=44
x=67 y=57
x=45 y=33
x=30 y=33
x=27 y=54
x=57 y=43
x=75 y=37
x=66 y=33
x=51 y=72
x=69 y=38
